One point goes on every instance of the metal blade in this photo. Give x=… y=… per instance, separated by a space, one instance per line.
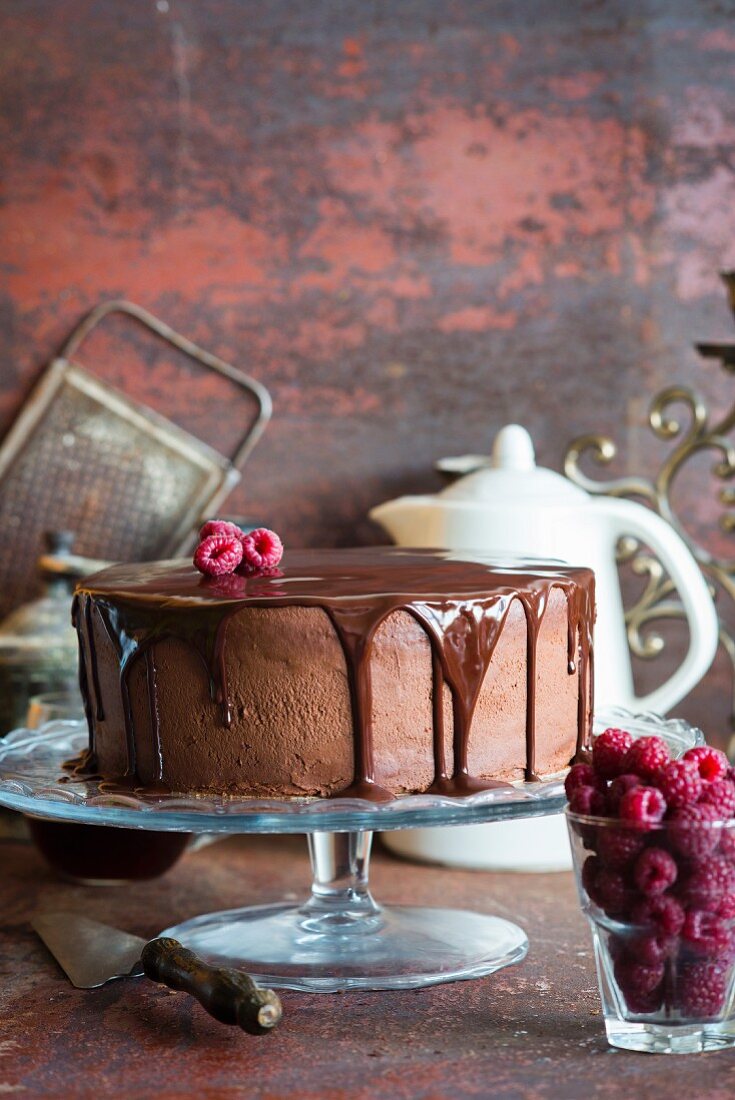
x=89 y=952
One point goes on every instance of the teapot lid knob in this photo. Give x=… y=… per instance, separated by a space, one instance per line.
x=513 y=449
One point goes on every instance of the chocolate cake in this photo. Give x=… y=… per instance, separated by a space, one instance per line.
x=366 y=672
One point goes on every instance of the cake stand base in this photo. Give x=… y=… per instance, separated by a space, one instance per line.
x=340 y=939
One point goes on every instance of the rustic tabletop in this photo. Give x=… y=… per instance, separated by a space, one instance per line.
x=530 y=1031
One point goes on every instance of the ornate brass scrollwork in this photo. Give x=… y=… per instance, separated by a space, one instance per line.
x=678 y=415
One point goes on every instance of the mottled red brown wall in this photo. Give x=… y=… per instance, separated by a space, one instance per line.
x=413 y=221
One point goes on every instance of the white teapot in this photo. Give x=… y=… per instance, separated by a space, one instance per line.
x=512 y=507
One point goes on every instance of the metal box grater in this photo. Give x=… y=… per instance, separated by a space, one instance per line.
x=85 y=458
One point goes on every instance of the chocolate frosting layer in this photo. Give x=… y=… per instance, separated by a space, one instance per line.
x=460 y=600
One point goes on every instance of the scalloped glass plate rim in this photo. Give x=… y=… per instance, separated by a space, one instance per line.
x=31 y=781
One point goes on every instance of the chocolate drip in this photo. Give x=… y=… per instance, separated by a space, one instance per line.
x=218 y=672
x=99 y=710
x=462 y=605
x=83 y=681
x=355 y=628
x=150 y=672
x=534 y=609
x=463 y=636
x=441 y=775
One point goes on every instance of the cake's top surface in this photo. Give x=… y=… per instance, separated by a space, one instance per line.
x=311 y=575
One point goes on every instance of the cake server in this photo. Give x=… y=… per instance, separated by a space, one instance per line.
x=91 y=953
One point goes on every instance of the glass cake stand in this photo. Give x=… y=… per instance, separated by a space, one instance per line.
x=339 y=938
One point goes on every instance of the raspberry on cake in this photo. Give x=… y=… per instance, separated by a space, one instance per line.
x=218 y=554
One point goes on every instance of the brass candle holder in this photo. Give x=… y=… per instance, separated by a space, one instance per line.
x=696 y=433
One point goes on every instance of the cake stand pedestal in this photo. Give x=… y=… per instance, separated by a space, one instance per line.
x=339 y=938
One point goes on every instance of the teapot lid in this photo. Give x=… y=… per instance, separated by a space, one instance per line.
x=511 y=477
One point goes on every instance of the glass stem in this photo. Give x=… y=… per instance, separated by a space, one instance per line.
x=340 y=894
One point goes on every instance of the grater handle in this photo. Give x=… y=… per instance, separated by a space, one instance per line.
x=256 y=389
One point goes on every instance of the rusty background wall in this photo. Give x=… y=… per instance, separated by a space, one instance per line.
x=413 y=221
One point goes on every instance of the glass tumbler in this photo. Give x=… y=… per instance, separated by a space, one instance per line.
x=660 y=901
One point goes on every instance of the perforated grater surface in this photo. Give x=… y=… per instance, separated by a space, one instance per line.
x=85 y=458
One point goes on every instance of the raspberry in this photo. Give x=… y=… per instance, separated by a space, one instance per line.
x=261 y=549
x=646 y=755
x=727 y=907
x=612 y=892
x=720 y=793
x=679 y=782
x=219 y=527
x=642 y=807
x=636 y=977
x=727 y=844
x=619 y=847
x=652 y=949
x=655 y=871
x=705 y=934
x=702 y=891
x=663 y=913
x=581 y=775
x=587 y=801
x=217 y=555
x=708 y=884
x=641 y=1004
x=618 y=788
x=590 y=870
x=691 y=832
x=701 y=990
x=609 y=752
x=711 y=763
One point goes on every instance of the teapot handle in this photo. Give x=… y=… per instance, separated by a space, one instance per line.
x=629 y=518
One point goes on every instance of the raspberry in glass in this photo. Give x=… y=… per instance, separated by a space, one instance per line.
x=655 y=871
x=706 y=935
x=646 y=756
x=679 y=782
x=612 y=892
x=701 y=990
x=720 y=793
x=711 y=763
x=663 y=913
x=641 y=1004
x=590 y=870
x=588 y=801
x=727 y=907
x=618 y=788
x=691 y=831
x=651 y=948
x=637 y=977
x=609 y=752
x=582 y=775
x=727 y=843
x=708 y=884
x=642 y=807
x=617 y=848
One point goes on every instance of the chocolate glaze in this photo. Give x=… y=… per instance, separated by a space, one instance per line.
x=461 y=601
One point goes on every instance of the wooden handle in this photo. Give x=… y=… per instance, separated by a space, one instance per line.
x=229 y=995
